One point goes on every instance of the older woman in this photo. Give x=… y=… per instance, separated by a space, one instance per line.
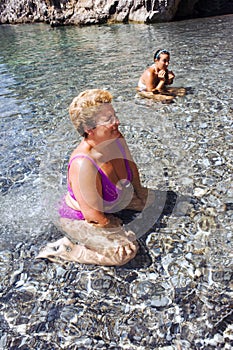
x=102 y=180
x=156 y=77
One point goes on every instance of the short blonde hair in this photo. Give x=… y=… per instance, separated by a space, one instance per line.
x=83 y=108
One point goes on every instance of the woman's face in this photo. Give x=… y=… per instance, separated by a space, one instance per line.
x=106 y=122
x=163 y=61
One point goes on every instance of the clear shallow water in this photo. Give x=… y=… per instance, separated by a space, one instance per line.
x=185 y=147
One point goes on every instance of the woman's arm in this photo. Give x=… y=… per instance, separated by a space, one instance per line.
x=86 y=184
x=139 y=190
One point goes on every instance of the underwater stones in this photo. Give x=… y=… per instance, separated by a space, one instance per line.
x=153 y=245
x=182 y=207
x=6 y=259
x=182 y=273
x=206 y=223
x=69 y=314
x=132 y=308
x=102 y=284
x=155 y=294
x=215 y=158
x=56 y=306
x=228 y=333
x=142 y=289
x=160 y=298
x=5 y=184
x=200 y=192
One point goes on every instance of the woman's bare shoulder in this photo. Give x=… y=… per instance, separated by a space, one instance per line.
x=81 y=149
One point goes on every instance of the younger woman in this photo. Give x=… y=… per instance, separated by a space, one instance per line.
x=156 y=77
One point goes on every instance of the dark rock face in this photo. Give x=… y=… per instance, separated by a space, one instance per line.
x=87 y=12
x=203 y=8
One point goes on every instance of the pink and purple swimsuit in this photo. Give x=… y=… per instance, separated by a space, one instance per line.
x=110 y=192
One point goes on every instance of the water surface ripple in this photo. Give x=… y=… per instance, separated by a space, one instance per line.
x=178 y=293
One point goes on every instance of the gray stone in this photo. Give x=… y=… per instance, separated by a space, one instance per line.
x=87 y=12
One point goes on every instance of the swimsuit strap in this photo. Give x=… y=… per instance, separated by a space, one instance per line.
x=110 y=191
x=88 y=157
x=129 y=173
x=92 y=161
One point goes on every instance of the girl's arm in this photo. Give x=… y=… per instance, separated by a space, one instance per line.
x=171 y=76
x=149 y=79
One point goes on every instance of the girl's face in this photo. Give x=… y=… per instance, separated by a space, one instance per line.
x=163 y=61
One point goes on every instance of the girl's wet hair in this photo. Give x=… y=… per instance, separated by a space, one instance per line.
x=158 y=53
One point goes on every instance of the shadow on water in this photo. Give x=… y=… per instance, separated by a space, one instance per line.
x=141 y=223
x=143 y=258
x=189 y=90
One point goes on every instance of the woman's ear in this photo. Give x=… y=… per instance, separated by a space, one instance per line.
x=89 y=131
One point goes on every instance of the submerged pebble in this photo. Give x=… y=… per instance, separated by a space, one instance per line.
x=177 y=293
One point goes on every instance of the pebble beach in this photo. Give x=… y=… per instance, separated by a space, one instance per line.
x=177 y=293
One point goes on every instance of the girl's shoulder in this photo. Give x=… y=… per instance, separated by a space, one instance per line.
x=151 y=68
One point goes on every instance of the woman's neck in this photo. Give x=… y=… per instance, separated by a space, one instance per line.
x=100 y=147
x=90 y=143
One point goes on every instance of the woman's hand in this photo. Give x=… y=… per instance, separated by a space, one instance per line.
x=138 y=201
x=111 y=222
x=142 y=193
x=142 y=199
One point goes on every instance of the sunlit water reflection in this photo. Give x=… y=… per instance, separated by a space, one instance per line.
x=185 y=147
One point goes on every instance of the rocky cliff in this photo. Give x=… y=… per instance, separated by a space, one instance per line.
x=86 y=12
